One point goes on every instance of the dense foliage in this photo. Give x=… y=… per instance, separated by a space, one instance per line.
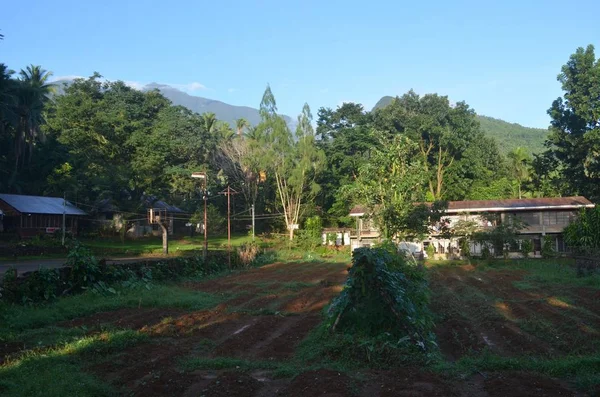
x=583 y=235
x=85 y=273
x=386 y=294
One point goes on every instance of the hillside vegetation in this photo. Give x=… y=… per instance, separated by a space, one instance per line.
x=508 y=135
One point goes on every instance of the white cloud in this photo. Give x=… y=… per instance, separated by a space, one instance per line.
x=135 y=84
x=324 y=90
x=193 y=86
x=68 y=77
x=138 y=85
x=231 y=90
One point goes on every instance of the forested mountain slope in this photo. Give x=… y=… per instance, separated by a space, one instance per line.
x=508 y=135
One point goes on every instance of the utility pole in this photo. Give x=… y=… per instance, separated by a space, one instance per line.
x=228 y=192
x=205 y=250
x=64 y=223
x=252 y=209
x=204 y=177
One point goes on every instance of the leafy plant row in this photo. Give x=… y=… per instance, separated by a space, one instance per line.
x=84 y=272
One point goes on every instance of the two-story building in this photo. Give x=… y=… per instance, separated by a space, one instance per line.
x=541 y=217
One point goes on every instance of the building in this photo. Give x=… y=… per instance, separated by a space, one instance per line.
x=30 y=216
x=541 y=217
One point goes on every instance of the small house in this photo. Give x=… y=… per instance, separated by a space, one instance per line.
x=30 y=216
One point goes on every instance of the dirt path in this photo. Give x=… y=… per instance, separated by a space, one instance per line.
x=273 y=309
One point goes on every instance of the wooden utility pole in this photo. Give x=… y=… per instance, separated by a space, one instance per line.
x=228 y=192
x=204 y=177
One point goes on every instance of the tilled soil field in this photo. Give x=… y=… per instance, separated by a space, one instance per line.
x=270 y=310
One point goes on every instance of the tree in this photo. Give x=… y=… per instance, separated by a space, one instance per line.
x=293 y=159
x=390 y=184
x=32 y=94
x=346 y=139
x=520 y=161
x=241 y=125
x=575 y=127
x=442 y=133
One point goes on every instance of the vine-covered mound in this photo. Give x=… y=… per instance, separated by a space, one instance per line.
x=386 y=297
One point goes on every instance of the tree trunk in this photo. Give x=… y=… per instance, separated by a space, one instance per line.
x=291 y=232
x=165 y=238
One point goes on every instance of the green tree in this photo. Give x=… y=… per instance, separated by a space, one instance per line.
x=32 y=94
x=443 y=135
x=293 y=159
x=575 y=127
x=520 y=164
x=241 y=125
x=390 y=184
x=346 y=139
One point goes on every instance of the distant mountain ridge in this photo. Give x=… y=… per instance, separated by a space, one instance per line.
x=508 y=135
x=223 y=111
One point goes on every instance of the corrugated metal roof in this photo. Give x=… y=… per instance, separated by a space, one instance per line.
x=358 y=210
x=519 y=204
x=40 y=205
x=153 y=202
x=505 y=205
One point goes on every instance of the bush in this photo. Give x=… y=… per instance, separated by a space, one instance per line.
x=85 y=273
x=526 y=248
x=247 y=253
x=430 y=249
x=386 y=294
x=548 y=247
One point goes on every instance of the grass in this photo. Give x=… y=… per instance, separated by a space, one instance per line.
x=153 y=245
x=57 y=371
x=584 y=371
x=16 y=319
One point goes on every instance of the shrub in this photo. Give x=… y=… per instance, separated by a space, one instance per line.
x=430 y=249
x=526 y=248
x=386 y=294
x=548 y=247
x=247 y=253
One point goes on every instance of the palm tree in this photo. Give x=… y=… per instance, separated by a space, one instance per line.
x=240 y=125
x=224 y=130
x=32 y=93
x=209 y=121
x=7 y=98
x=520 y=161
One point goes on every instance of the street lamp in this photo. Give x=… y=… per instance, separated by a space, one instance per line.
x=204 y=177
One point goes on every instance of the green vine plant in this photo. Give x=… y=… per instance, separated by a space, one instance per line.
x=385 y=297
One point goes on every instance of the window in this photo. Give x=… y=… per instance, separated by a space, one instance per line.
x=530 y=218
x=563 y=218
x=442 y=249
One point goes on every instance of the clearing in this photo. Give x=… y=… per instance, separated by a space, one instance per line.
x=502 y=330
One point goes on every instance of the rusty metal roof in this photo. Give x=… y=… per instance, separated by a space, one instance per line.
x=519 y=204
x=40 y=205
x=505 y=205
x=358 y=210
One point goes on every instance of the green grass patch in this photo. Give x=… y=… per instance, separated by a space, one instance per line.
x=153 y=245
x=58 y=371
x=18 y=318
x=584 y=371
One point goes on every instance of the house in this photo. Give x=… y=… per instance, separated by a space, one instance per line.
x=29 y=216
x=541 y=217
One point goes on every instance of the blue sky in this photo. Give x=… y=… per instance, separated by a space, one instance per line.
x=501 y=58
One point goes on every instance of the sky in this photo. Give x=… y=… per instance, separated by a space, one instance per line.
x=501 y=57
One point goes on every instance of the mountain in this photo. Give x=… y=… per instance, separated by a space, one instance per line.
x=508 y=135
x=223 y=111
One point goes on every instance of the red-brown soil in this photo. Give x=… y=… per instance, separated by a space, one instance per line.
x=484 y=310
x=273 y=309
